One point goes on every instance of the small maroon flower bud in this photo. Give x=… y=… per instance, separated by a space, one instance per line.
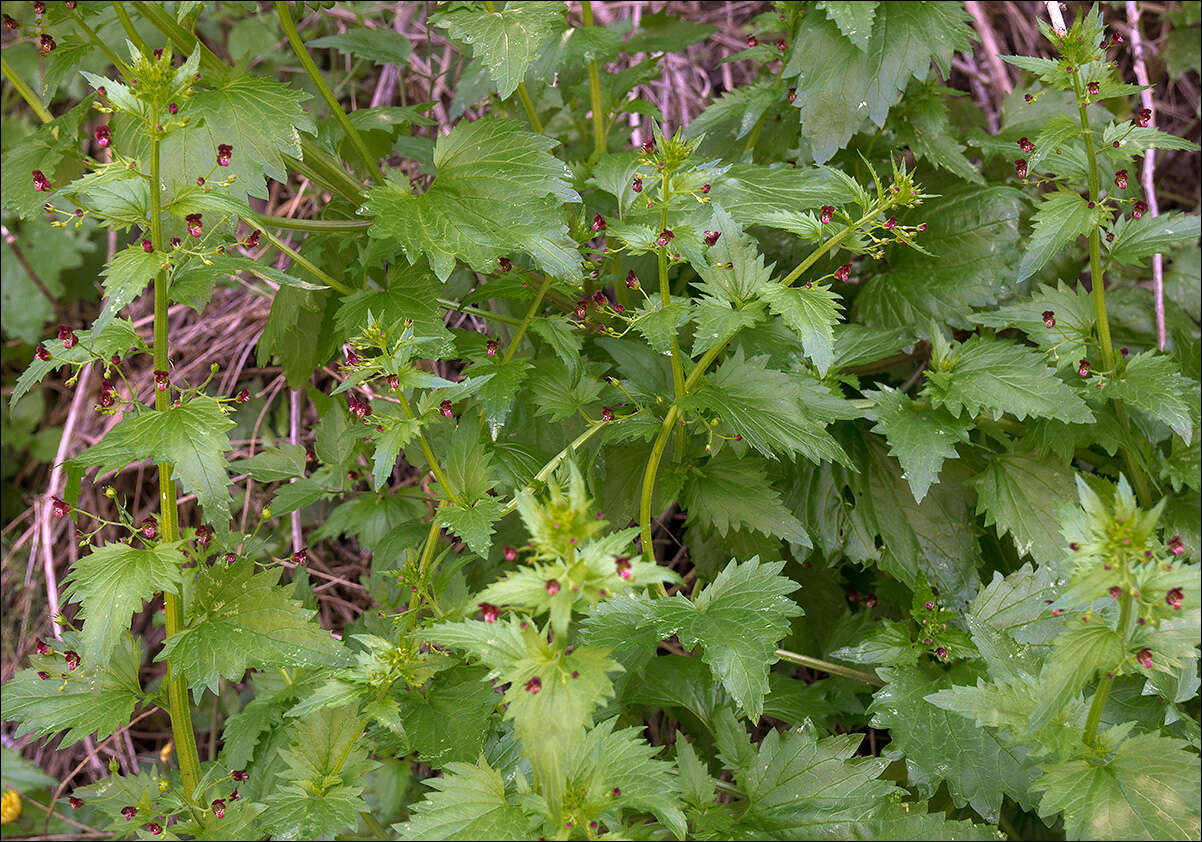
x=240 y=775
x=40 y=182
x=148 y=246
x=930 y=605
x=552 y=586
x=1020 y=167
x=300 y=558
x=10 y=23
x=200 y=181
x=41 y=646
x=648 y=146
x=1145 y=658
x=155 y=828
x=75 y=803
x=172 y=108
x=1083 y=368
x=195 y=224
x=598 y=223
x=103 y=135
x=504 y=264
x=632 y=281
x=224 y=153
x=42 y=353
x=149 y=526
x=446 y=408
x=843 y=272
x=160 y=380
x=1144 y=117
x=489 y=612
x=607 y=414
x=581 y=309
x=1120 y=179
x=891 y=223
x=233 y=796
x=637 y=184
x=534 y=685
x=826 y=214
x=622 y=564
x=230 y=558
x=870 y=600
x=253 y=240
x=1174 y=598
x=1026 y=145
x=752 y=41
x=1115 y=591
x=351 y=357
x=1139 y=209
x=664 y=238
x=1109 y=236
x=711 y=237
x=491 y=347
x=511 y=553
x=1028 y=98
x=46 y=43
x=599 y=298
x=129 y=813
x=1123 y=351
x=243 y=396
x=1093 y=88
x=72 y=658
x=1049 y=319
x=705 y=188
x=781 y=45
x=219 y=808
x=941 y=653
x=204 y=534
x=42 y=674
x=61 y=508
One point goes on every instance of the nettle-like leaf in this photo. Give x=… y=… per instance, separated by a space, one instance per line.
x=1151 y=383
x=498 y=191
x=507 y=40
x=1016 y=492
x=729 y=492
x=1068 y=340
x=920 y=437
x=190 y=437
x=112 y=582
x=469 y=803
x=1148 y=789
x=96 y=697
x=54 y=149
x=737 y=620
x=1135 y=239
x=1062 y=217
x=116 y=338
x=237 y=619
x=1000 y=376
x=318 y=792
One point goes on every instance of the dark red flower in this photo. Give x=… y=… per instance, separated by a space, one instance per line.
x=752 y=41
x=42 y=353
x=1083 y=368
x=195 y=224
x=219 y=808
x=826 y=213
x=891 y=223
x=1174 y=598
x=204 y=534
x=149 y=526
x=10 y=23
x=1144 y=117
x=607 y=414
x=46 y=43
x=160 y=380
x=649 y=146
x=632 y=280
x=224 y=153
x=1026 y=145
x=705 y=188
x=240 y=775
x=1115 y=592
x=1139 y=209
x=870 y=600
x=42 y=674
x=781 y=45
x=491 y=347
x=581 y=309
x=637 y=185
x=622 y=565
x=1049 y=319
x=489 y=612
x=1028 y=98
x=103 y=136
x=598 y=223
x=843 y=272
x=40 y=182
x=599 y=298
x=155 y=828
x=147 y=246
x=446 y=408
x=1175 y=545
x=534 y=685
x=243 y=396
x=711 y=237
x=1120 y=179
x=129 y=813
x=42 y=647
x=1020 y=167
x=1093 y=88
x=1145 y=658
x=60 y=508
x=552 y=586
x=665 y=237
x=504 y=264
x=72 y=659
x=300 y=558
x=75 y=803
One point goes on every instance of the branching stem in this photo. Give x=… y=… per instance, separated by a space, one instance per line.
x=594 y=89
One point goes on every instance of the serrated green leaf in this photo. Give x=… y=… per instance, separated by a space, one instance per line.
x=54 y=149
x=1136 y=239
x=95 y=698
x=474 y=523
x=560 y=393
x=448 y=720
x=738 y=620
x=1017 y=492
x=111 y=582
x=497 y=191
x=1147 y=790
x=754 y=193
x=116 y=338
x=1152 y=384
x=505 y=40
x=972 y=240
x=733 y=270
x=273 y=464
x=729 y=492
x=920 y=438
x=1068 y=340
x=469 y=803
x=977 y=766
x=237 y=619
x=853 y=19
x=765 y=407
x=1000 y=376
x=813 y=314
x=190 y=437
x=1079 y=653
x=658 y=323
x=125 y=276
x=1061 y=219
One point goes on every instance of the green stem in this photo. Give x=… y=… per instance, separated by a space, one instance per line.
x=320 y=226
x=429 y=454
x=173 y=608
x=476 y=311
x=370 y=168
x=374 y=826
x=754 y=137
x=594 y=89
x=828 y=667
x=1090 y=734
x=665 y=297
x=649 y=474
x=549 y=468
x=528 y=104
x=521 y=331
x=25 y=91
x=305 y=262
x=1098 y=285
x=426 y=558
x=130 y=31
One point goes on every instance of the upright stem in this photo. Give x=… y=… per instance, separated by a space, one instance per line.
x=594 y=89
x=435 y=467
x=521 y=331
x=173 y=608
x=1098 y=283
x=1090 y=734
x=657 y=453
x=370 y=168
x=545 y=473
x=130 y=31
x=665 y=297
x=122 y=68
x=25 y=91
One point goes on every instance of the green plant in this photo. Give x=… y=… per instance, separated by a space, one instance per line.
x=841 y=376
